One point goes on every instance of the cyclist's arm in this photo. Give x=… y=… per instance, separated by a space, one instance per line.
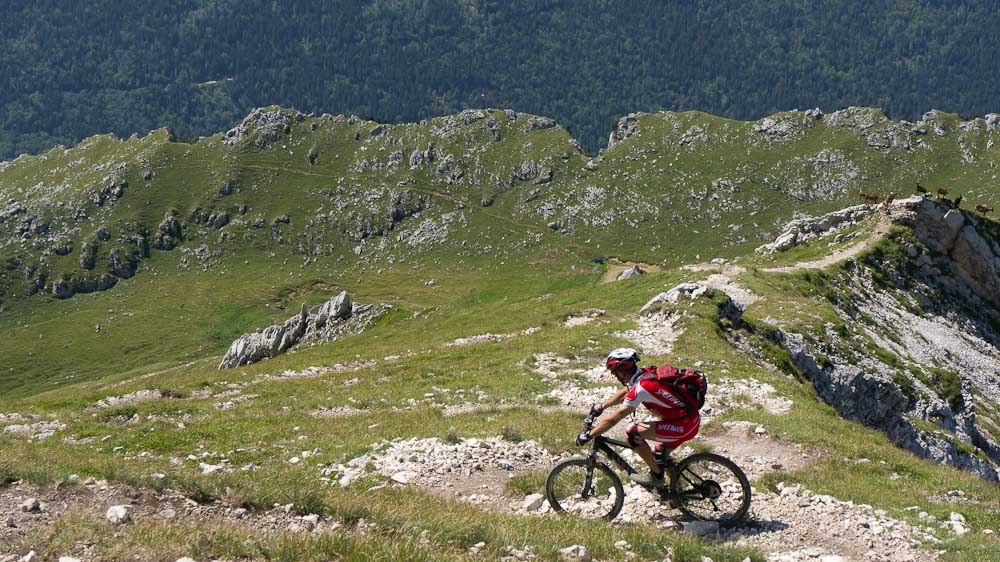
x=607 y=422
x=616 y=398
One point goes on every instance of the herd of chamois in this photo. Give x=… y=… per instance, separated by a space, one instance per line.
x=942 y=192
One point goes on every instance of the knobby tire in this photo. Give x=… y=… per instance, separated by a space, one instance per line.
x=560 y=505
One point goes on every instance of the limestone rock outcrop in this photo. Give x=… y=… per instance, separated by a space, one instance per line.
x=278 y=338
x=802 y=230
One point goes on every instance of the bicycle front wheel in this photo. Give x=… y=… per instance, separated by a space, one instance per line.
x=584 y=489
x=710 y=487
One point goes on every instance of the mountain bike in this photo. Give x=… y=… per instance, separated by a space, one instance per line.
x=704 y=486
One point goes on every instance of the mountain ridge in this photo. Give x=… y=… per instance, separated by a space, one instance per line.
x=498 y=325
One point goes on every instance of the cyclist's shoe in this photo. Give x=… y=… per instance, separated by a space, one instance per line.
x=649 y=480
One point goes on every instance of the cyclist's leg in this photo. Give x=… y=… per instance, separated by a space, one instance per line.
x=637 y=436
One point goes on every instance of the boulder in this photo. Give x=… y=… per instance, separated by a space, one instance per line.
x=31 y=505
x=88 y=255
x=12 y=208
x=623 y=129
x=575 y=553
x=493 y=130
x=218 y=221
x=687 y=290
x=121 y=264
x=802 y=230
x=228 y=187
x=169 y=233
x=532 y=502
x=118 y=514
x=540 y=123
x=66 y=287
x=62 y=247
x=266 y=343
x=337 y=308
x=630 y=272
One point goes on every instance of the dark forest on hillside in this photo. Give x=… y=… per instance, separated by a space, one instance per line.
x=68 y=70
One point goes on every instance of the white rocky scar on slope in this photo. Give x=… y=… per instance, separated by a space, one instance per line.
x=657 y=330
x=574 y=387
x=470 y=340
x=728 y=393
x=431 y=462
x=834 y=529
x=586 y=317
x=37 y=431
x=130 y=399
x=724 y=393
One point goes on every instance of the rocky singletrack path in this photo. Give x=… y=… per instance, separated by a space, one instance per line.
x=882 y=228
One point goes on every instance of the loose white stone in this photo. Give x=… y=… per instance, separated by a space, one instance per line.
x=532 y=502
x=575 y=553
x=210 y=468
x=118 y=514
x=31 y=506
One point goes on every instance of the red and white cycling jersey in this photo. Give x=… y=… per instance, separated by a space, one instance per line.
x=661 y=400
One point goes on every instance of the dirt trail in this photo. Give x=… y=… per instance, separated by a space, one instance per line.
x=725 y=280
x=725 y=276
x=881 y=229
x=616 y=267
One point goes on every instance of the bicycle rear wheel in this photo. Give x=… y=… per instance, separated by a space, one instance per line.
x=710 y=487
x=576 y=487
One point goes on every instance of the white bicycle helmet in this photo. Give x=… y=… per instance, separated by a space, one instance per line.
x=622 y=355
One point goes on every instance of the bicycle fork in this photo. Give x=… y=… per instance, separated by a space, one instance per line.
x=588 y=481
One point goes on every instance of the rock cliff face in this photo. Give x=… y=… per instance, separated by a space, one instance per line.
x=928 y=304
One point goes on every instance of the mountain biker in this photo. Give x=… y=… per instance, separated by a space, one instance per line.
x=677 y=422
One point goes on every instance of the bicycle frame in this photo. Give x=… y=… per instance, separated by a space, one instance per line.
x=603 y=444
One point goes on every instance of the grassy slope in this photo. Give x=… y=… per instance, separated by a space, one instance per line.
x=57 y=363
x=499 y=370
x=650 y=199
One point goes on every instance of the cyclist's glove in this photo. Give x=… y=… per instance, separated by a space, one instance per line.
x=596 y=409
x=583 y=438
